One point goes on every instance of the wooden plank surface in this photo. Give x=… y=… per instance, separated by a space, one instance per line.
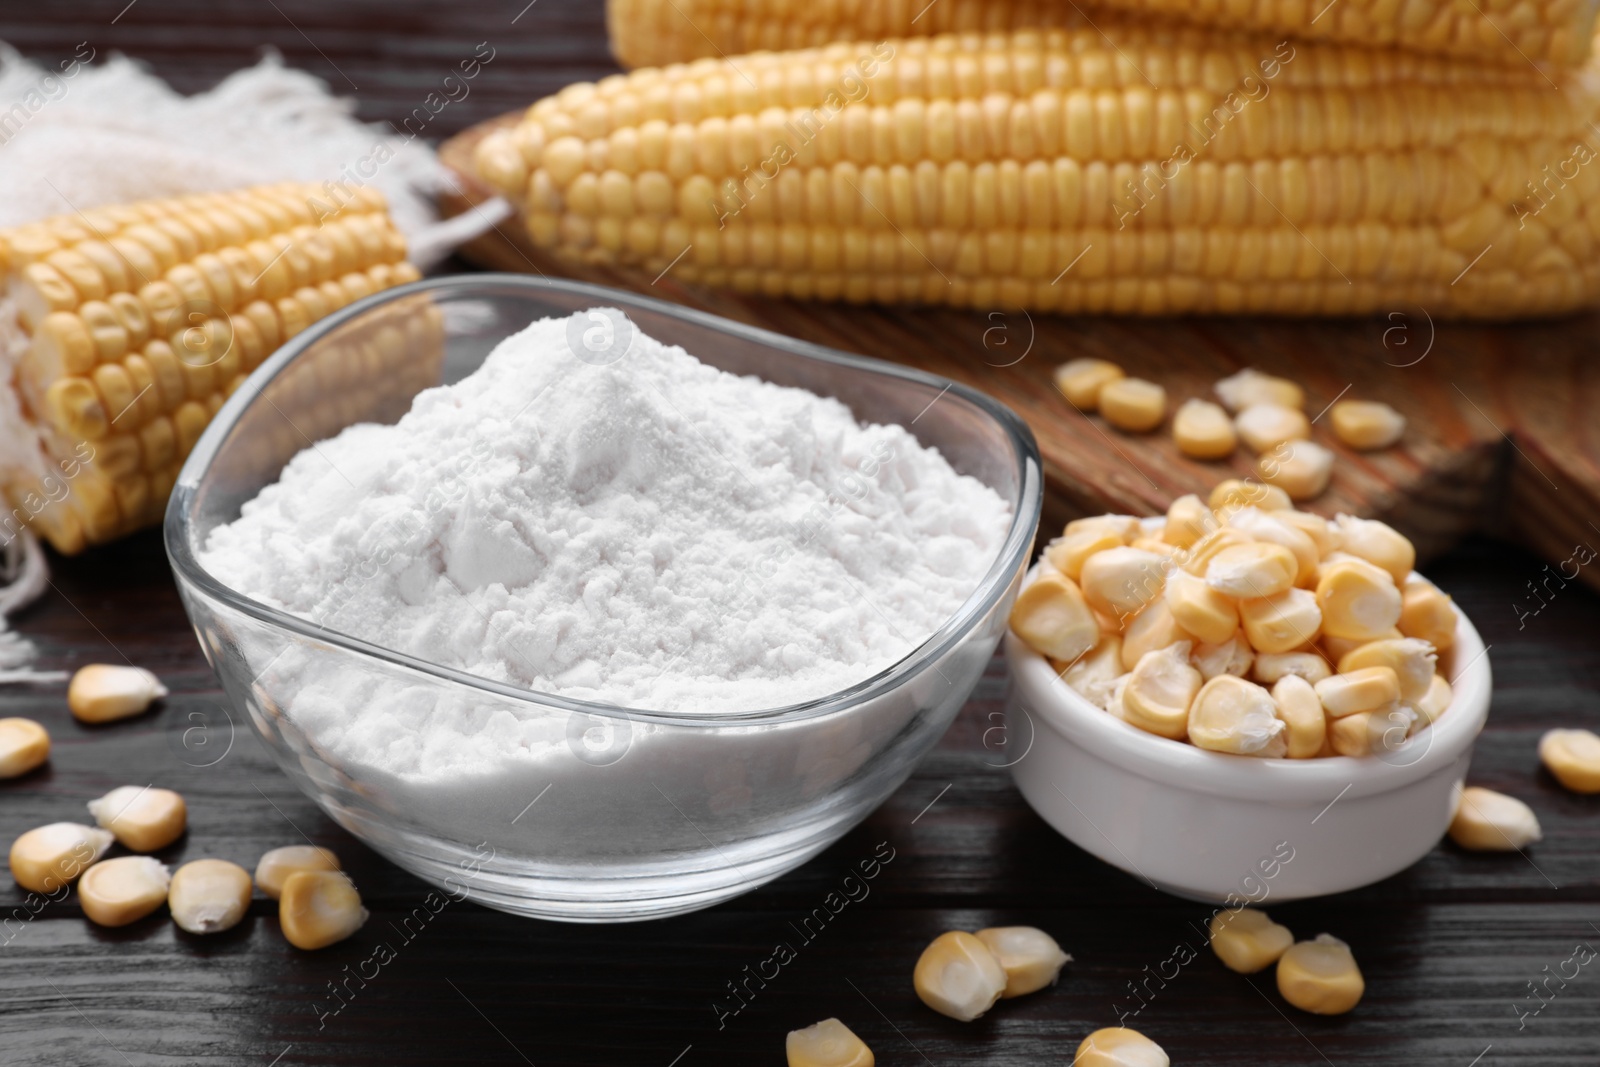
x=1447 y=947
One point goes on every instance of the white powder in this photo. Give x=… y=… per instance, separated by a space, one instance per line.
x=653 y=533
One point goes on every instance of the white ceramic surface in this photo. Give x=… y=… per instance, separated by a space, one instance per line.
x=1216 y=827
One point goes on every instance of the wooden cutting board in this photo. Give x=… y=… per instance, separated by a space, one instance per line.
x=1503 y=435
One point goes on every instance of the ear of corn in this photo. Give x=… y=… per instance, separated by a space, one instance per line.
x=652 y=33
x=1125 y=169
x=123 y=330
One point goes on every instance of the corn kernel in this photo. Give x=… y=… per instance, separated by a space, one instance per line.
x=1434 y=704
x=1202 y=430
x=1426 y=612
x=319 y=908
x=1118 y=1046
x=1358 y=600
x=1081 y=380
x=119 y=891
x=1209 y=614
x=1367 y=732
x=1249 y=387
x=1247 y=941
x=1486 y=821
x=1126 y=527
x=1161 y=548
x=1281 y=623
x=1159 y=691
x=102 y=692
x=24 y=745
x=1300 y=468
x=1052 y=618
x=1320 y=976
x=1573 y=756
x=1305 y=724
x=1258 y=569
x=1095 y=674
x=1337 y=648
x=1367 y=689
x=1411 y=659
x=48 y=857
x=1272 y=667
x=1366 y=424
x=1230 y=714
x=1069 y=552
x=1232 y=656
x=1120 y=581
x=1153 y=628
x=1133 y=404
x=1379 y=544
x=277 y=865
x=829 y=1043
x=209 y=896
x=1030 y=957
x=1262 y=526
x=1322 y=533
x=1263 y=427
x=1235 y=493
x=958 y=976
x=141 y=818
x=1198 y=556
x=1188 y=520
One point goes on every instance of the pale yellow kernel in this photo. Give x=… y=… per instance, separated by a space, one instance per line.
x=1427 y=613
x=1188 y=520
x=1367 y=732
x=1486 y=821
x=1247 y=941
x=1366 y=424
x=1120 y=581
x=1081 y=380
x=1270 y=527
x=1232 y=715
x=1202 y=430
x=1199 y=555
x=208 y=896
x=318 y=908
x=47 y=858
x=1263 y=427
x=278 y=864
x=142 y=818
x=1052 y=617
x=1367 y=689
x=957 y=975
x=105 y=692
x=1249 y=386
x=829 y=1043
x=1232 y=656
x=1302 y=713
x=1118 y=1046
x=1300 y=468
x=1257 y=569
x=1069 y=552
x=1320 y=976
x=1211 y=615
x=24 y=745
x=1270 y=667
x=1573 y=756
x=1030 y=957
x=1281 y=623
x=119 y=891
x=1159 y=691
x=1377 y=543
x=1235 y=493
x=1153 y=628
x=1133 y=404
x=1358 y=600
x=1412 y=660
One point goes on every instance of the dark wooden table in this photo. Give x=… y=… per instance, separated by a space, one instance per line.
x=1448 y=947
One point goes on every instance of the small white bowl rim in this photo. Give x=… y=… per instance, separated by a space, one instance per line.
x=1090 y=727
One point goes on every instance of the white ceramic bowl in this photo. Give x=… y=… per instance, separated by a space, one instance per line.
x=1226 y=829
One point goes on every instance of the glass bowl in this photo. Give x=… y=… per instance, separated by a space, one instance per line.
x=604 y=813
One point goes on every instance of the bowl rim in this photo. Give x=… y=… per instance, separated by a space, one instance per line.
x=1009 y=560
x=1042 y=694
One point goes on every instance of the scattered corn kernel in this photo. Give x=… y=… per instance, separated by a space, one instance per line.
x=1030 y=957
x=958 y=976
x=1426 y=612
x=1069 y=552
x=1435 y=703
x=1159 y=691
x=1486 y=821
x=1120 y=581
x=1367 y=732
x=103 y=692
x=1412 y=660
x=277 y=865
x=141 y=818
x=1379 y=544
x=1320 y=976
x=1202 y=430
x=1188 y=519
x=1366 y=424
x=1258 y=569
x=1133 y=404
x=48 y=857
x=319 y=908
x=1300 y=468
x=1080 y=381
x=209 y=896
x=1210 y=615
x=1249 y=387
x=1281 y=623
x=1305 y=723
x=1151 y=629
x=1573 y=756
x=1232 y=656
x=1118 y=1046
x=1236 y=493
x=829 y=1043
x=1052 y=616
x=1358 y=600
x=1247 y=941
x=1367 y=689
x=119 y=891
x=24 y=745
x=1230 y=714
x=1272 y=667
x=1263 y=427
x=1270 y=528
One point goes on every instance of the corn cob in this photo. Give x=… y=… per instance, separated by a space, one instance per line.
x=123 y=330
x=655 y=33
x=1128 y=169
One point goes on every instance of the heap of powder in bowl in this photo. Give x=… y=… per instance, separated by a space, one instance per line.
x=652 y=532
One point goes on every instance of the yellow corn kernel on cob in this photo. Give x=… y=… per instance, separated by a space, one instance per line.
x=1126 y=169
x=648 y=33
x=123 y=329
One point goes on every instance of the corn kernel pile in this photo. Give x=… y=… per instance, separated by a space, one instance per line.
x=1244 y=626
